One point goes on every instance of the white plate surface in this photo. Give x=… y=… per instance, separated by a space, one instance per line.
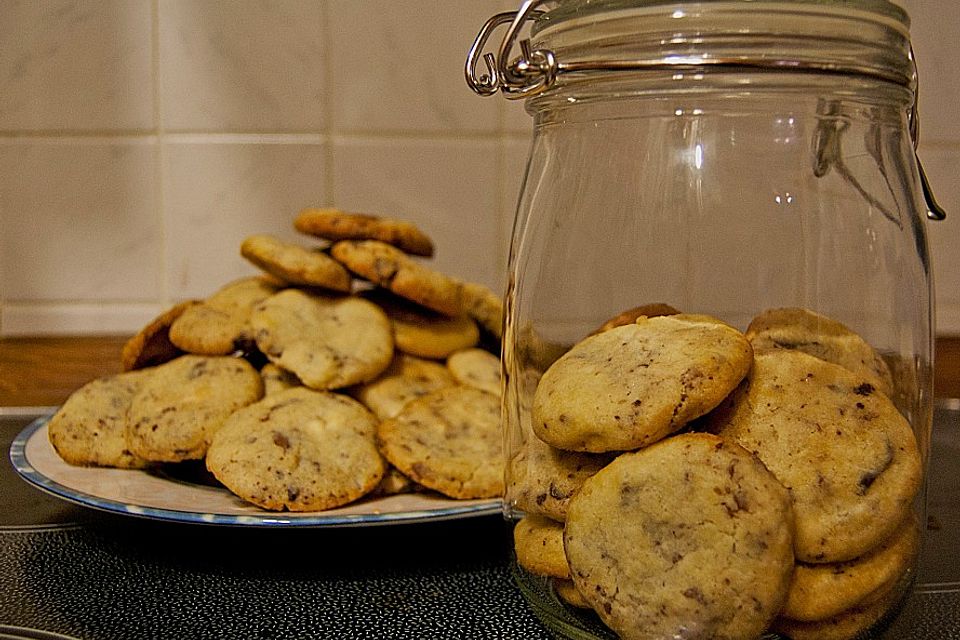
x=151 y=495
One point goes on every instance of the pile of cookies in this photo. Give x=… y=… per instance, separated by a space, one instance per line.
x=685 y=480
x=348 y=368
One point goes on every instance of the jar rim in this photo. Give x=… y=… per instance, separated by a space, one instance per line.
x=564 y=10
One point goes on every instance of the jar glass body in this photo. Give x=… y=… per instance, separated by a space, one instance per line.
x=722 y=193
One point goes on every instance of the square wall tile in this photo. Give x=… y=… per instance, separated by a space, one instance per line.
x=78 y=220
x=448 y=188
x=943 y=168
x=76 y=65
x=215 y=194
x=397 y=65
x=251 y=66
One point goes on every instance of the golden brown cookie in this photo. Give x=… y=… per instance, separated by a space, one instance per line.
x=328 y=342
x=406 y=379
x=544 y=478
x=848 y=625
x=843 y=450
x=632 y=385
x=476 y=368
x=689 y=537
x=277 y=379
x=821 y=591
x=484 y=306
x=827 y=339
x=151 y=345
x=182 y=403
x=294 y=264
x=538 y=543
x=630 y=316
x=333 y=224
x=450 y=441
x=421 y=332
x=89 y=429
x=220 y=325
x=566 y=590
x=298 y=450
x=390 y=268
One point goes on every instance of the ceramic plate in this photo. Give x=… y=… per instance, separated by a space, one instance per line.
x=184 y=493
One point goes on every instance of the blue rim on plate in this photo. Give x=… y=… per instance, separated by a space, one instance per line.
x=35 y=460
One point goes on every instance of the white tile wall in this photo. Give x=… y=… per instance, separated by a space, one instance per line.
x=141 y=140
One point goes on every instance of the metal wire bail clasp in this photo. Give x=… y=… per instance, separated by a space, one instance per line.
x=533 y=72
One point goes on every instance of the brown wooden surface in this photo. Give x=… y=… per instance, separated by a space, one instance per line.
x=44 y=371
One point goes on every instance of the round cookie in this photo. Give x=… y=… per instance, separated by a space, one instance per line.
x=277 y=379
x=151 y=345
x=544 y=478
x=295 y=264
x=392 y=269
x=298 y=450
x=689 y=537
x=538 y=543
x=406 y=379
x=843 y=450
x=822 y=337
x=421 y=332
x=821 y=591
x=220 y=324
x=476 y=368
x=630 y=316
x=333 y=224
x=632 y=385
x=484 y=306
x=89 y=429
x=450 y=441
x=328 y=342
x=182 y=404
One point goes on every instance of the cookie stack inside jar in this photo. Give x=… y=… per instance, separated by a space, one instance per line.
x=679 y=478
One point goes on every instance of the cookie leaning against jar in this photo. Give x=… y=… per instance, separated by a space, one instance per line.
x=847 y=455
x=629 y=386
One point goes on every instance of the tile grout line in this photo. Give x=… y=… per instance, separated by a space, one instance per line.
x=329 y=154
x=159 y=172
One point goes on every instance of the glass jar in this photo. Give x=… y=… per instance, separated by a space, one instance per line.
x=750 y=165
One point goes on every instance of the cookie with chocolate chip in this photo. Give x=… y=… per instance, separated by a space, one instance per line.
x=847 y=455
x=294 y=264
x=407 y=378
x=220 y=325
x=334 y=224
x=391 y=268
x=689 y=537
x=182 y=403
x=450 y=441
x=538 y=544
x=822 y=337
x=89 y=429
x=298 y=450
x=476 y=368
x=632 y=385
x=328 y=342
